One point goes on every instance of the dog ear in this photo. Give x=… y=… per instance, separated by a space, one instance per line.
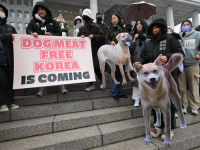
x=137 y=67
x=157 y=61
x=118 y=37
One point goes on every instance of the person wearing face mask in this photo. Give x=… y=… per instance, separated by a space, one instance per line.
x=159 y=42
x=190 y=41
x=94 y=32
x=103 y=26
x=43 y=24
x=136 y=47
x=6 y=62
x=63 y=24
x=78 y=23
x=112 y=32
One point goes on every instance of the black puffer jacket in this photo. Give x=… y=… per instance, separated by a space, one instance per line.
x=37 y=23
x=166 y=45
x=6 y=32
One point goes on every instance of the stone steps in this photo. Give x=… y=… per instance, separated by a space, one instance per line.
x=38 y=126
x=71 y=96
x=36 y=111
x=126 y=135
x=184 y=139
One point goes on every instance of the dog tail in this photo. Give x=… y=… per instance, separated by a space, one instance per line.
x=173 y=62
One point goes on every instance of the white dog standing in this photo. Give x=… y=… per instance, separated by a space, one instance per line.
x=116 y=55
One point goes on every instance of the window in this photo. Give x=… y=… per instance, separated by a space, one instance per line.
x=26 y=14
x=31 y=3
x=12 y=2
x=26 y=2
x=19 y=2
x=3 y=1
x=12 y=24
x=26 y=25
x=19 y=13
x=19 y=26
x=12 y=13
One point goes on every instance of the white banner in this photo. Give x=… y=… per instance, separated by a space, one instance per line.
x=51 y=60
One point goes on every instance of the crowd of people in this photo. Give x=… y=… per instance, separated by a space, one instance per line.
x=149 y=41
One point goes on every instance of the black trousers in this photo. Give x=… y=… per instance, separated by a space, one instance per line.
x=174 y=74
x=6 y=85
x=98 y=73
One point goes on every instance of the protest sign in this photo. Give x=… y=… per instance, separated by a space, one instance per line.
x=51 y=60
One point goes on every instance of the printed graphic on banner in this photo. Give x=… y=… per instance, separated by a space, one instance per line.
x=51 y=60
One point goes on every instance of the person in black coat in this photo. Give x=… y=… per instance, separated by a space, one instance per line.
x=159 y=42
x=6 y=62
x=43 y=24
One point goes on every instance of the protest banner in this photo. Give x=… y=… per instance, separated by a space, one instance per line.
x=51 y=60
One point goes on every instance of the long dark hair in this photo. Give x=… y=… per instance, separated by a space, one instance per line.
x=119 y=20
x=144 y=25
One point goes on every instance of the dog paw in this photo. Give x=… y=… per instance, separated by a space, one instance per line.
x=167 y=143
x=147 y=140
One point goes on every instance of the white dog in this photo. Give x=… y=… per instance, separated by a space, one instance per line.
x=116 y=55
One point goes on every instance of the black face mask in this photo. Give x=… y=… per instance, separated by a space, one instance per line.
x=86 y=19
x=99 y=19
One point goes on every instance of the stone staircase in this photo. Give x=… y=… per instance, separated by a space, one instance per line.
x=84 y=120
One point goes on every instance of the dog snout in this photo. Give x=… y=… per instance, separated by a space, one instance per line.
x=127 y=39
x=153 y=79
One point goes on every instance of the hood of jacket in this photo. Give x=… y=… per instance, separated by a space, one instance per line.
x=78 y=17
x=158 y=22
x=6 y=13
x=144 y=26
x=42 y=4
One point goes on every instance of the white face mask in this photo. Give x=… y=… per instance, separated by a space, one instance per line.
x=2 y=15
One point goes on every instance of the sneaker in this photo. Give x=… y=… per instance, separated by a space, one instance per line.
x=42 y=92
x=14 y=106
x=156 y=132
x=184 y=110
x=63 y=90
x=195 y=112
x=101 y=86
x=116 y=97
x=123 y=96
x=4 y=108
x=176 y=116
x=163 y=135
x=137 y=103
x=90 y=88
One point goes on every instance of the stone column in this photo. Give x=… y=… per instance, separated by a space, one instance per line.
x=34 y=2
x=195 y=19
x=94 y=8
x=170 y=17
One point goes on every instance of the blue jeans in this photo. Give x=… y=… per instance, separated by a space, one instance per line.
x=117 y=89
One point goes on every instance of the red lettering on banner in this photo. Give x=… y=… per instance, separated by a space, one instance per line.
x=59 y=43
x=56 y=55
x=37 y=43
x=47 y=43
x=56 y=66
x=38 y=66
x=26 y=43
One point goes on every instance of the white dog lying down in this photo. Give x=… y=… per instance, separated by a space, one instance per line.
x=156 y=86
x=116 y=55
